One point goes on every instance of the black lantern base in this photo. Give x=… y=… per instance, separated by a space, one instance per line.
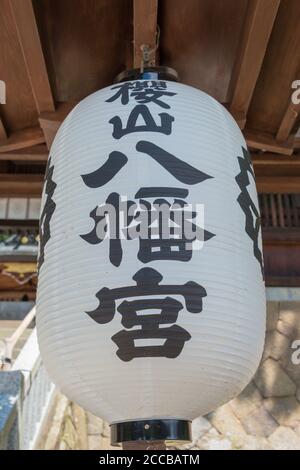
x=151 y=430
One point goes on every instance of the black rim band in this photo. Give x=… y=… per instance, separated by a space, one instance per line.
x=151 y=430
x=159 y=73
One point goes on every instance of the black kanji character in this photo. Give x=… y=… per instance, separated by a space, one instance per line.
x=123 y=92
x=106 y=172
x=253 y=221
x=111 y=227
x=181 y=170
x=142 y=91
x=149 y=125
x=168 y=241
x=175 y=336
x=148 y=284
x=47 y=213
x=152 y=96
x=165 y=231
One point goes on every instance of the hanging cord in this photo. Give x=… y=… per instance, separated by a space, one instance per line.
x=147 y=53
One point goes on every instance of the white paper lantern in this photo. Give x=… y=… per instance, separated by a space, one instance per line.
x=144 y=331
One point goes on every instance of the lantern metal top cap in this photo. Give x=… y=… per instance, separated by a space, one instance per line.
x=149 y=73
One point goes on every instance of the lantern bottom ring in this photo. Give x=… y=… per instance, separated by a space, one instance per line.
x=151 y=430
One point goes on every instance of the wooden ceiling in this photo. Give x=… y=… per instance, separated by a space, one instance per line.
x=245 y=53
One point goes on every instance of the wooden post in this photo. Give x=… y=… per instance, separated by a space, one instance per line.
x=144 y=29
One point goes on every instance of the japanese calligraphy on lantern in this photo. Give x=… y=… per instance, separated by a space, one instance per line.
x=151 y=300
x=251 y=211
x=166 y=242
x=47 y=212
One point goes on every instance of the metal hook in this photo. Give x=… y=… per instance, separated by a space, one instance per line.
x=147 y=53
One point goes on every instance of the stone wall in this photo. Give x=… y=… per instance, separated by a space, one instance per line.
x=266 y=415
x=72 y=428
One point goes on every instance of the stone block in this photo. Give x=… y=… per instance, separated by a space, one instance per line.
x=284 y=439
x=97 y=442
x=95 y=425
x=276 y=345
x=106 y=429
x=293 y=370
x=205 y=440
x=69 y=436
x=286 y=411
x=80 y=422
x=273 y=381
x=57 y=420
x=200 y=426
x=272 y=315
x=248 y=401
x=225 y=421
x=105 y=444
x=290 y=312
x=219 y=444
x=255 y=443
x=289 y=319
x=297 y=430
x=259 y=423
x=94 y=442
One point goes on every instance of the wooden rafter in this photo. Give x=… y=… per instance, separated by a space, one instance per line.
x=145 y=28
x=276 y=165
x=260 y=18
x=3 y=134
x=51 y=121
x=240 y=119
x=278 y=184
x=263 y=141
x=289 y=119
x=269 y=157
x=37 y=154
x=29 y=39
x=15 y=185
x=22 y=139
x=275 y=159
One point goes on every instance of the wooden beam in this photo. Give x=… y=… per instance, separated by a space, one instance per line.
x=22 y=139
x=269 y=158
x=3 y=134
x=260 y=17
x=282 y=281
x=275 y=164
x=37 y=153
x=144 y=29
x=288 y=121
x=29 y=40
x=51 y=121
x=240 y=118
x=278 y=184
x=281 y=236
x=21 y=185
x=264 y=141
